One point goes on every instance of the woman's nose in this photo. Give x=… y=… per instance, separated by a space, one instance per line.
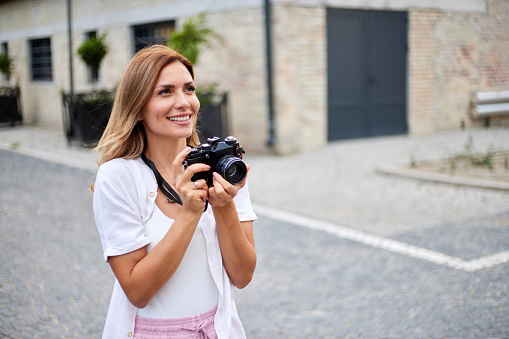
x=182 y=101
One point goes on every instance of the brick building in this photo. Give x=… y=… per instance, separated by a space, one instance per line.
x=340 y=68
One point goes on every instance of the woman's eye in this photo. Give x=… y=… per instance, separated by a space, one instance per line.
x=164 y=91
x=190 y=89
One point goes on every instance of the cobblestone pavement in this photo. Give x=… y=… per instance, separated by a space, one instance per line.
x=53 y=283
x=312 y=285
x=308 y=283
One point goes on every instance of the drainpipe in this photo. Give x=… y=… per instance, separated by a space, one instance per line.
x=270 y=141
x=69 y=33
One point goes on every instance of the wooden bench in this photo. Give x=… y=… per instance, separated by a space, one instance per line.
x=487 y=104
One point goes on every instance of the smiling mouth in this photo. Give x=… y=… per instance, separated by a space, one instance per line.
x=182 y=118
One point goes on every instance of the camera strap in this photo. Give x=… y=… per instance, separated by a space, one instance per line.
x=167 y=190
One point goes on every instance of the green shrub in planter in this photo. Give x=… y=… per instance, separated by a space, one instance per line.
x=93 y=51
x=6 y=64
x=194 y=35
x=86 y=114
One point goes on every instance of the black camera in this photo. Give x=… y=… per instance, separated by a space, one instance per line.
x=224 y=158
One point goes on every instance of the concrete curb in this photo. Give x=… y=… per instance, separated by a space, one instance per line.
x=441 y=178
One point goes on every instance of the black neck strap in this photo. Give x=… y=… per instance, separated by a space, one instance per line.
x=167 y=190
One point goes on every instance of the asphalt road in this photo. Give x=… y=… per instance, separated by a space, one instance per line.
x=309 y=283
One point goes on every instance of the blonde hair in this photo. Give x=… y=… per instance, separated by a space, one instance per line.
x=124 y=136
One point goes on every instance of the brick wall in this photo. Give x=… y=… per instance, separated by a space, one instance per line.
x=422 y=94
x=451 y=56
x=300 y=84
x=494 y=51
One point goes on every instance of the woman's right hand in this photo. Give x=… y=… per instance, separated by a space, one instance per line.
x=193 y=195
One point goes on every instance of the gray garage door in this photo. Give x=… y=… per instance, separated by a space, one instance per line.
x=367 y=58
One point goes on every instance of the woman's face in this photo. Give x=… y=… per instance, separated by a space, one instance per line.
x=172 y=109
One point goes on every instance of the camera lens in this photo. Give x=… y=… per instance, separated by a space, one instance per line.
x=231 y=168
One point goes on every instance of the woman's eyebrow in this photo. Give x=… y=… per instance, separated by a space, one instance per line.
x=165 y=86
x=173 y=86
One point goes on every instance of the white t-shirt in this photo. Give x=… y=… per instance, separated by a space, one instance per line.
x=191 y=289
x=124 y=199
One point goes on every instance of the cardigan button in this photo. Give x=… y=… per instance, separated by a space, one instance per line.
x=130 y=334
x=152 y=194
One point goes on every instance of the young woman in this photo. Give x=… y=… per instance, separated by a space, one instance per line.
x=176 y=264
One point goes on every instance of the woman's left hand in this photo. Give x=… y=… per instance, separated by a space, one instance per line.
x=222 y=193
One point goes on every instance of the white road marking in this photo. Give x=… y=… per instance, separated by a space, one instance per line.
x=383 y=243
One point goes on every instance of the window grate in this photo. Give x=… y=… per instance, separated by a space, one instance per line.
x=153 y=33
x=40 y=51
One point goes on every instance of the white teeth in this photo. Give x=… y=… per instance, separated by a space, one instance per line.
x=185 y=118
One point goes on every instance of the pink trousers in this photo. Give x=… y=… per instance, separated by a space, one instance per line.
x=197 y=326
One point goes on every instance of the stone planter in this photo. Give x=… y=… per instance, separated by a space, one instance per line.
x=86 y=116
x=10 y=108
x=213 y=118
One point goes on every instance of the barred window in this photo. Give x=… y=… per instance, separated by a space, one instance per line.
x=153 y=33
x=40 y=52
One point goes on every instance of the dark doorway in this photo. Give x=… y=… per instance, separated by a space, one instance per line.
x=367 y=58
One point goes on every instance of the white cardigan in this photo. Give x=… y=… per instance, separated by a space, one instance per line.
x=124 y=198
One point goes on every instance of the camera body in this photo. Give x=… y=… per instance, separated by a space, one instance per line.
x=223 y=157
